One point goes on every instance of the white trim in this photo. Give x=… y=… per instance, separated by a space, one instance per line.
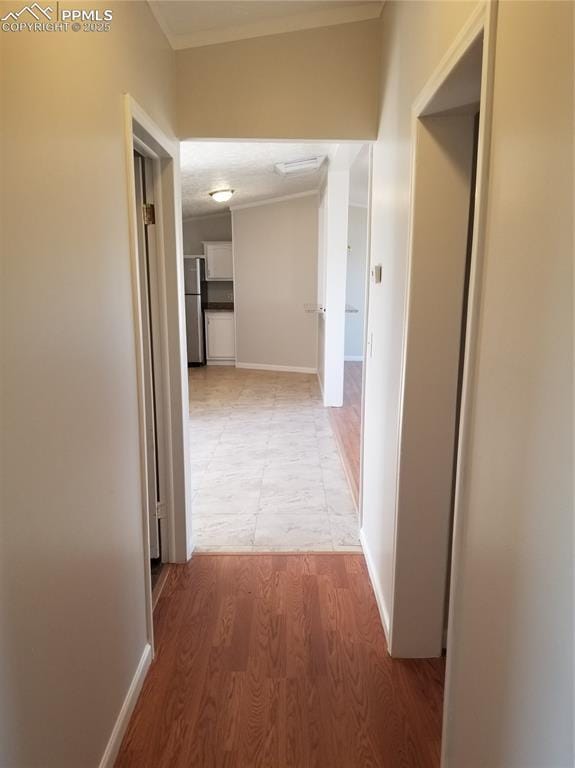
x=165 y=151
x=273 y=200
x=488 y=22
x=465 y=38
x=470 y=31
x=235 y=289
x=121 y=724
x=324 y=17
x=229 y=361
x=268 y=367
x=334 y=236
x=372 y=571
x=353 y=358
x=137 y=318
x=353 y=204
x=367 y=294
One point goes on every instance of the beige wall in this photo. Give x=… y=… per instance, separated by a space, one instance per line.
x=73 y=614
x=200 y=228
x=275 y=271
x=510 y=652
x=510 y=689
x=313 y=84
x=71 y=533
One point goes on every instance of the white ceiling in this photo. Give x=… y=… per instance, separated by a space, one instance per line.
x=246 y=167
x=190 y=23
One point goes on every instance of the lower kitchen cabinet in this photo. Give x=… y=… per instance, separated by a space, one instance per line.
x=220 y=335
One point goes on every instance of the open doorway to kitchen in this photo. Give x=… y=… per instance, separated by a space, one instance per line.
x=267 y=473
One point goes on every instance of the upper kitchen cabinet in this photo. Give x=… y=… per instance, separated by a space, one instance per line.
x=219 y=261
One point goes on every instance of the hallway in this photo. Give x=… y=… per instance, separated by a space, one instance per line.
x=266 y=471
x=280 y=660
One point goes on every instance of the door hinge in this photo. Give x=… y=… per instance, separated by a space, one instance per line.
x=160 y=510
x=148 y=213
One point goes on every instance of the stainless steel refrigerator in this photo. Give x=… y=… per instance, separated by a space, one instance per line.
x=195 y=289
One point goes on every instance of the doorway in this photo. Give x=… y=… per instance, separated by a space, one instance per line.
x=153 y=190
x=151 y=347
x=445 y=140
x=266 y=469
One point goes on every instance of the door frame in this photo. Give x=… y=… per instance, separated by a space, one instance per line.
x=482 y=22
x=143 y=135
x=151 y=335
x=366 y=333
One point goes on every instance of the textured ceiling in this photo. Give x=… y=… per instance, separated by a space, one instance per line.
x=189 y=23
x=246 y=167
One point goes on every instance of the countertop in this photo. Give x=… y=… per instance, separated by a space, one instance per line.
x=219 y=306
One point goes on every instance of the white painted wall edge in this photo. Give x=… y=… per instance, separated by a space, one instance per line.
x=334 y=247
x=383 y=613
x=119 y=729
x=284 y=368
x=273 y=200
x=221 y=362
x=353 y=358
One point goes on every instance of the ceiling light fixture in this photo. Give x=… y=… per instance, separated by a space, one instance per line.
x=296 y=167
x=221 y=195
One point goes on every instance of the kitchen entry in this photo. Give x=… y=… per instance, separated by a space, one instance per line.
x=267 y=474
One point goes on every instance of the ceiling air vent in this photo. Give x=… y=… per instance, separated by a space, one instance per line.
x=299 y=167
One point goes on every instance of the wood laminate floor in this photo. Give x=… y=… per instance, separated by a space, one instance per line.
x=278 y=661
x=346 y=424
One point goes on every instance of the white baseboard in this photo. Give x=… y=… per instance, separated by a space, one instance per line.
x=221 y=362
x=383 y=614
x=353 y=358
x=119 y=729
x=283 y=368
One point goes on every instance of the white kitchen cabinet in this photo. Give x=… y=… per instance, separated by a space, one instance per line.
x=219 y=261
x=220 y=335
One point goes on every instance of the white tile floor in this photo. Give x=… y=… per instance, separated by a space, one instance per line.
x=266 y=471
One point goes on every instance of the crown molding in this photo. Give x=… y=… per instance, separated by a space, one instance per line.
x=272 y=200
x=214 y=215
x=297 y=22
